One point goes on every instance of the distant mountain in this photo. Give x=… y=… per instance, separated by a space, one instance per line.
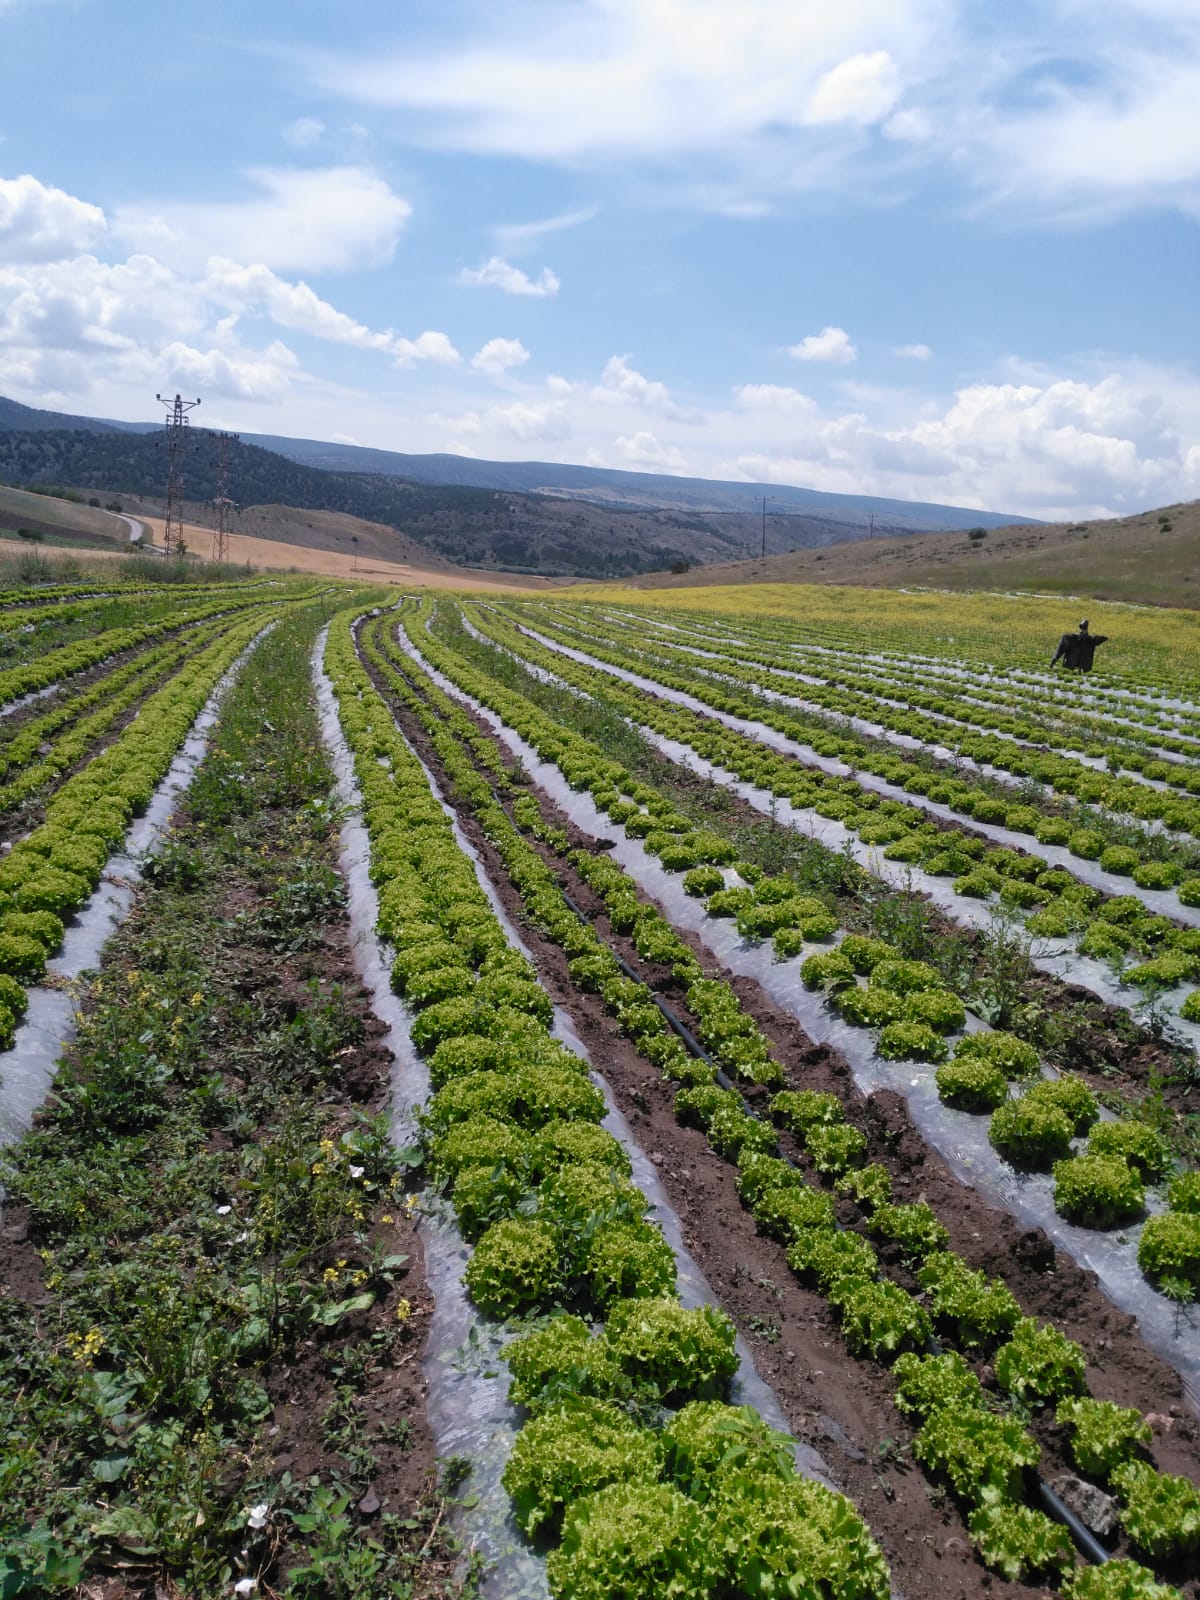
x=518 y=516
x=628 y=490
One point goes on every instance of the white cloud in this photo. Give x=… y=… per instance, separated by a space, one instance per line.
x=497 y=273
x=772 y=397
x=522 y=420
x=291 y=305
x=645 y=451
x=313 y=219
x=265 y=376
x=41 y=223
x=514 y=238
x=831 y=344
x=913 y=352
x=621 y=382
x=860 y=90
x=303 y=132
x=430 y=346
x=499 y=355
x=1054 y=108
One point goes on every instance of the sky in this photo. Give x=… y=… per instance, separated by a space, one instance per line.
x=941 y=250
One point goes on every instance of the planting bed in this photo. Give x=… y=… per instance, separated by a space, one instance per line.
x=720 y=1083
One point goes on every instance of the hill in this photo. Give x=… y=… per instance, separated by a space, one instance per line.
x=1151 y=558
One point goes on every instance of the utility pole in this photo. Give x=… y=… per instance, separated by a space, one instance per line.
x=871 y=535
x=224 y=505
x=177 y=421
x=764 y=498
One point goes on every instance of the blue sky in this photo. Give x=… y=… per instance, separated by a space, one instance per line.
x=937 y=249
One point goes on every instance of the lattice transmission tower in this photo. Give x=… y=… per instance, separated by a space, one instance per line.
x=224 y=505
x=177 y=421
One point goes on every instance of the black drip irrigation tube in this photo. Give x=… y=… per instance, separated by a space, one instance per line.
x=1089 y=1546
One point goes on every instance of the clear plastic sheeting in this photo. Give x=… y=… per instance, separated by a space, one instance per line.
x=959 y=1138
x=467 y=1402
x=27 y=1068
x=29 y=699
x=1161 y=901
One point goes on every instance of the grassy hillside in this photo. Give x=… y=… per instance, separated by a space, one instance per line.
x=1152 y=558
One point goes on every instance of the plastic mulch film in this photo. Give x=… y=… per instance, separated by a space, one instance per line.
x=959 y=1138
x=1161 y=901
x=27 y=1068
x=29 y=699
x=1058 y=957
x=467 y=1379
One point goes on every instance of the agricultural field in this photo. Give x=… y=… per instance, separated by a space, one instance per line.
x=602 y=1094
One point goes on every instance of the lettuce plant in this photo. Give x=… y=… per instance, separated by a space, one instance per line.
x=879 y=1319
x=869 y=1008
x=1183 y=1195
x=825 y=1258
x=1097 y=1191
x=1070 y=1095
x=634 y=1539
x=911 y=1041
x=784 y=1212
x=1017 y=1541
x=979 y=1310
x=515 y=1266
x=1136 y=1143
x=869 y=1187
x=1013 y=1056
x=1116 y=1580
x=1030 y=1134
x=804 y=1109
x=1104 y=1436
x=572 y=1451
x=1169 y=1254
x=709 y=1444
x=794 y=1537
x=976 y=1451
x=926 y=1383
x=1159 y=1512
x=914 y=1228
x=558 y=1362
x=835 y=1148
x=971 y=1085
x=1040 y=1364
x=683 y=1354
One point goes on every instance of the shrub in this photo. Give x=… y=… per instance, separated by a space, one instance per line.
x=1160 y=1512
x=1103 y=1435
x=1097 y=1191
x=572 y=1451
x=1169 y=1254
x=1040 y=1364
x=971 y=1085
x=632 y=1539
x=683 y=1354
x=1135 y=1143
x=1030 y=1134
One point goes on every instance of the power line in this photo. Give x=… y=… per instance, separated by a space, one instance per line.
x=764 y=498
x=176 y=421
x=224 y=505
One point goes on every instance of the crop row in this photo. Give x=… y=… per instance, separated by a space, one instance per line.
x=631 y=1476
x=1010 y=742
x=1054 y=902
x=50 y=873
x=961 y=1440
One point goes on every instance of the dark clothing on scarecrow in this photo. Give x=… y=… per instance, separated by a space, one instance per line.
x=1077 y=651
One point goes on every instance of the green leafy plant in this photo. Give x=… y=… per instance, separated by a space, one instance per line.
x=924 y=1384
x=978 y=1310
x=1018 y=1541
x=1030 y=1133
x=1160 y=1512
x=971 y=1085
x=634 y=1539
x=1040 y=1364
x=683 y=1354
x=571 y=1451
x=1169 y=1254
x=976 y=1451
x=1117 y=1579
x=879 y=1319
x=1133 y=1142
x=1097 y=1191
x=1104 y=1436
